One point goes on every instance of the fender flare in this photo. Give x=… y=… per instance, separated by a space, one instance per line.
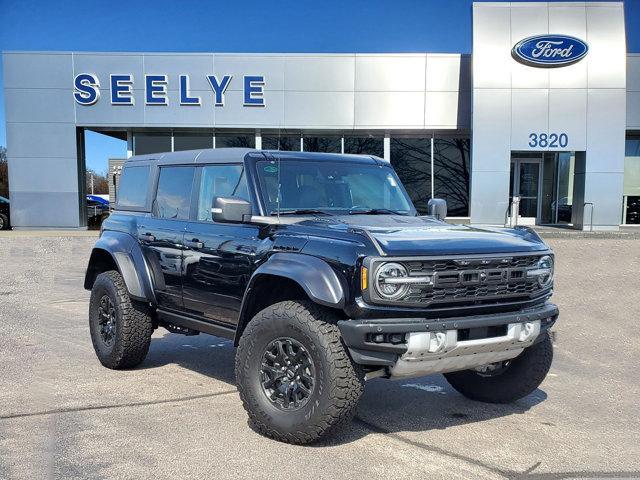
x=319 y=281
x=132 y=265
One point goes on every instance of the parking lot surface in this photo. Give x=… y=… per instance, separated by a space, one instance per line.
x=62 y=415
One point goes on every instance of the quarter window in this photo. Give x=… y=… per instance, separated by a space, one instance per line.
x=132 y=191
x=220 y=181
x=173 y=199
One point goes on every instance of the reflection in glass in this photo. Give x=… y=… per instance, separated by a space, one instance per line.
x=364 y=145
x=230 y=140
x=192 y=140
x=281 y=142
x=411 y=159
x=452 y=162
x=323 y=144
x=145 y=143
x=132 y=189
x=220 y=181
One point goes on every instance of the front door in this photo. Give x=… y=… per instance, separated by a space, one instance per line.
x=525 y=188
x=219 y=258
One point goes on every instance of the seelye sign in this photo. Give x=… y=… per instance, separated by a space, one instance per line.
x=86 y=89
x=548 y=51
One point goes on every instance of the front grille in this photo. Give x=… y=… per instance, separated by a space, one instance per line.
x=472 y=281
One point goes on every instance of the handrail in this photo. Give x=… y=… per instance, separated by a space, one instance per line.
x=592 y=208
x=506 y=213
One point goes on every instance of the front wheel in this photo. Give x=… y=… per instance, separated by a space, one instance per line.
x=4 y=222
x=507 y=381
x=295 y=377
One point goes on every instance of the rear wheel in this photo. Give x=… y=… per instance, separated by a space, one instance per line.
x=4 y=222
x=295 y=377
x=120 y=328
x=508 y=381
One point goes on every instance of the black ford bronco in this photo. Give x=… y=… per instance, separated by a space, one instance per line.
x=323 y=274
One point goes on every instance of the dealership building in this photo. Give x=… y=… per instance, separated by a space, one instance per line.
x=539 y=125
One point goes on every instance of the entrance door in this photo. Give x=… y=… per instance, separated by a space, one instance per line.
x=525 y=184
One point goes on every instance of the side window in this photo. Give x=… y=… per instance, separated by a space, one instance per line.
x=173 y=199
x=132 y=191
x=220 y=181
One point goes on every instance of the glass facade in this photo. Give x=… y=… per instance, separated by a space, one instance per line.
x=192 y=140
x=365 y=145
x=411 y=157
x=156 y=142
x=452 y=172
x=281 y=142
x=323 y=144
x=235 y=140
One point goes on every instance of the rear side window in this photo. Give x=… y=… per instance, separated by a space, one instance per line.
x=132 y=191
x=173 y=199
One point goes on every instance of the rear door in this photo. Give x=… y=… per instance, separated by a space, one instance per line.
x=219 y=258
x=161 y=234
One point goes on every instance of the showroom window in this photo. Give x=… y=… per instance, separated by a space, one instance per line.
x=192 y=140
x=364 y=145
x=145 y=143
x=323 y=144
x=452 y=172
x=411 y=159
x=631 y=186
x=235 y=140
x=281 y=142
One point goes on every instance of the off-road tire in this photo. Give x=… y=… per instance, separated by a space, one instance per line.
x=521 y=377
x=339 y=381
x=4 y=222
x=134 y=325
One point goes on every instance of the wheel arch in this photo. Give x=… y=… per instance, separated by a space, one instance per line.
x=121 y=252
x=290 y=276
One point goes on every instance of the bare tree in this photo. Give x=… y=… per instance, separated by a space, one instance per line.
x=100 y=182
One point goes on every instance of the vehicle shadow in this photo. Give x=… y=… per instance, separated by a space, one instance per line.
x=387 y=406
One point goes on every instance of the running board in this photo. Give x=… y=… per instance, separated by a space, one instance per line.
x=191 y=323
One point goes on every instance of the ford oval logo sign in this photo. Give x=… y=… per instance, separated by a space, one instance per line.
x=549 y=50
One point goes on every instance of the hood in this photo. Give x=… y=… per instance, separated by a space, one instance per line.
x=399 y=235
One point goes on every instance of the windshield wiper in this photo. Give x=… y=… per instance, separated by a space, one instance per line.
x=376 y=211
x=301 y=211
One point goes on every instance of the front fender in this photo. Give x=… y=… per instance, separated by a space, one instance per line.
x=128 y=257
x=315 y=276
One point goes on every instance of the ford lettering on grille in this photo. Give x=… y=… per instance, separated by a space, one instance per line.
x=549 y=51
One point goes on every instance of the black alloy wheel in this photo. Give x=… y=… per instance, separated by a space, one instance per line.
x=107 y=320
x=287 y=374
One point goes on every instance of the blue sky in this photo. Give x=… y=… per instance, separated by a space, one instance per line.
x=246 y=26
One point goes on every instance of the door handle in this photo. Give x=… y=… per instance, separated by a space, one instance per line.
x=193 y=243
x=147 y=237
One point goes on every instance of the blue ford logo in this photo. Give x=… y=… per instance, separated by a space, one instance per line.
x=549 y=50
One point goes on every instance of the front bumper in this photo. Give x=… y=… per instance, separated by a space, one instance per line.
x=439 y=345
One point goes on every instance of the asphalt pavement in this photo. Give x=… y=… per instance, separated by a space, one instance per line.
x=62 y=415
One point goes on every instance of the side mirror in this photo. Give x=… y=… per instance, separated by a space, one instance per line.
x=230 y=210
x=437 y=207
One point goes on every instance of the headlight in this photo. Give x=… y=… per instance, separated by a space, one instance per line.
x=544 y=271
x=389 y=281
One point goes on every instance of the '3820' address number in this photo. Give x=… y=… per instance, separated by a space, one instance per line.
x=552 y=140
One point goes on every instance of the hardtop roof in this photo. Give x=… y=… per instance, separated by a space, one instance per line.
x=237 y=155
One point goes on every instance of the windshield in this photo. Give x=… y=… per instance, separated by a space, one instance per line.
x=332 y=187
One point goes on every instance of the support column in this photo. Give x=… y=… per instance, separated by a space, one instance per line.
x=129 y=144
